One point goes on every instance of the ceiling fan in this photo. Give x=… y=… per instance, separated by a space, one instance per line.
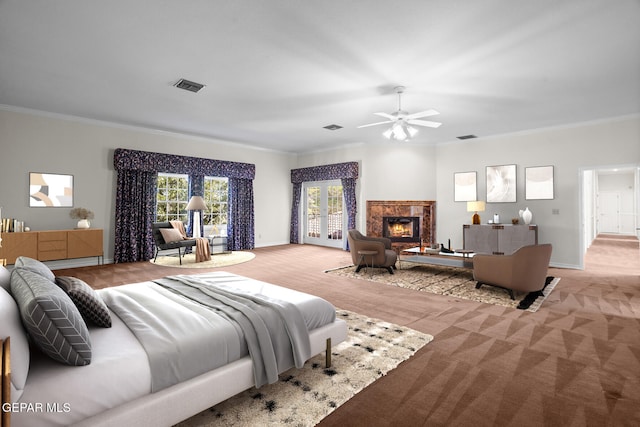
x=401 y=129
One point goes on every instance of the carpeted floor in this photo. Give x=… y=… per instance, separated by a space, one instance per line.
x=575 y=362
x=448 y=281
x=302 y=397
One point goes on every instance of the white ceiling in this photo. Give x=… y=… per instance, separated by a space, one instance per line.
x=277 y=71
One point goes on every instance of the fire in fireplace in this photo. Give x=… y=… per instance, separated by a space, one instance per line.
x=401 y=228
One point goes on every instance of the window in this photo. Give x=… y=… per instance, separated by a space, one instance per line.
x=216 y=197
x=172 y=197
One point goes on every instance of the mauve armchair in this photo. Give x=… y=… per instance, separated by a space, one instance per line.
x=525 y=270
x=384 y=256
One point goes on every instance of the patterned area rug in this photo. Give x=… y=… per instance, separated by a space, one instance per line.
x=303 y=397
x=450 y=281
x=217 y=260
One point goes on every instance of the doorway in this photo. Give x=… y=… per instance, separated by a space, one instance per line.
x=324 y=219
x=610 y=202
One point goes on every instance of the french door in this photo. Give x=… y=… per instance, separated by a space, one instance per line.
x=324 y=219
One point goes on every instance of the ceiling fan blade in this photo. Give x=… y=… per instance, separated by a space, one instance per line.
x=424 y=123
x=375 y=124
x=386 y=116
x=426 y=113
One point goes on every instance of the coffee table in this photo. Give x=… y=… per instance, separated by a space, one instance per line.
x=463 y=259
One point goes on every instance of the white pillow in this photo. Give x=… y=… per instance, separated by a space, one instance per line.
x=11 y=326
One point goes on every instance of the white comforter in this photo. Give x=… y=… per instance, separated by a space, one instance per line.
x=119 y=371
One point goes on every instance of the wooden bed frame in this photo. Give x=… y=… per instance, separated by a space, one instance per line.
x=5 y=420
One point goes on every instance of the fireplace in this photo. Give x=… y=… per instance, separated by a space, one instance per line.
x=424 y=210
x=401 y=228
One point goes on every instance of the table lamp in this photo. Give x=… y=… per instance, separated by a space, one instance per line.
x=475 y=206
x=196 y=204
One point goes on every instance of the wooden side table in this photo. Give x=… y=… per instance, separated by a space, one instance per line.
x=363 y=255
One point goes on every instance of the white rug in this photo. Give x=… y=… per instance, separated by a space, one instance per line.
x=217 y=260
x=303 y=397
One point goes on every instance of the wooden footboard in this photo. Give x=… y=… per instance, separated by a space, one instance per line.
x=5 y=415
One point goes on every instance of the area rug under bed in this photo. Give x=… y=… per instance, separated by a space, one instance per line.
x=449 y=281
x=303 y=397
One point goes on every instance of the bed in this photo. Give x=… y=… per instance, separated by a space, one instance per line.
x=173 y=347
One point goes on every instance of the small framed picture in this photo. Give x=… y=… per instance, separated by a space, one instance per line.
x=501 y=184
x=50 y=190
x=465 y=187
x=538 y=183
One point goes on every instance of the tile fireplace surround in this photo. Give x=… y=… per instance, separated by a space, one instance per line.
x=424 y=209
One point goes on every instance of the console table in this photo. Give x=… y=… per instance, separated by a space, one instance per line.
x=498 y=239
x=52 y=245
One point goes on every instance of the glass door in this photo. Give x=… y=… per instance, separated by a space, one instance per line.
x=324 y=219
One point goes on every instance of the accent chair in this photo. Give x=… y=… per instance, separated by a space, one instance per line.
x=525 y=270
x=381 y=255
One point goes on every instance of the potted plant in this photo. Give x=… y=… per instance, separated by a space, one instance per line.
x=83 y=215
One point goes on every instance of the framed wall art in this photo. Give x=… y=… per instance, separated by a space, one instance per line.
x=501 y=184
x=538 y=183
x=50 y=190
x=464 y=187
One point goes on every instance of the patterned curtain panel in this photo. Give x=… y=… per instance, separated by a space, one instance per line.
x=135 y=204
x=294 y=234
x=240 y=230
x=346 y=172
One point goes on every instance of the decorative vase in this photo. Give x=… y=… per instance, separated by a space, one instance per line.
x=84 y=223
x=526 y=216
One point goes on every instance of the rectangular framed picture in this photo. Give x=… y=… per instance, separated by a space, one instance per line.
x=501 y=184
x=538 y=183
x=464 y=187
x=50 y=190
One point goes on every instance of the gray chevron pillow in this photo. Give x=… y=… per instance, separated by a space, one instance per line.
x=51 y=318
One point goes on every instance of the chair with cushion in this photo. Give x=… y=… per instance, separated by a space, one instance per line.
x=381 y=256
x=525 y=270
x=167 y=237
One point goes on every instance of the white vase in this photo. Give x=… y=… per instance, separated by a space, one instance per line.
x=526 y=216
x=84 y=223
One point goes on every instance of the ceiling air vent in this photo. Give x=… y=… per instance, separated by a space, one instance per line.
x=466 y=137
x=333 y=127
x=189 y=85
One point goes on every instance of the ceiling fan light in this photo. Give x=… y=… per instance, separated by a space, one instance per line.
x=412 y=131
x=387 y=133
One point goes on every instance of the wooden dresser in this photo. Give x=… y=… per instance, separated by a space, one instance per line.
x=52 y=245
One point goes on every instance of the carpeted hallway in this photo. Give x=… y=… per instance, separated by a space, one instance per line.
x=574 y=362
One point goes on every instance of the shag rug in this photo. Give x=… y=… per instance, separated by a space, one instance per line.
x=217 y=260
x=449 y=281
x=303 y=397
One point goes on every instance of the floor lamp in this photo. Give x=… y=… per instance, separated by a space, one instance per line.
x=196 y=204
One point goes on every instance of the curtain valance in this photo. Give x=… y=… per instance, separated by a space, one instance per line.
x=124 y=159
x=325 y=172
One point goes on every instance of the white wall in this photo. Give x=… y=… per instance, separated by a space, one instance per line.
x=46 y=143
x=388 y=171
x=393 y=171
x=568 y=149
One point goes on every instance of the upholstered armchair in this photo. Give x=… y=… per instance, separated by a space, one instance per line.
x=166 y=237
x=525 y=270
x=384 y=256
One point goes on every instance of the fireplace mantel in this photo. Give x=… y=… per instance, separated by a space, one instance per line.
x=424 y=209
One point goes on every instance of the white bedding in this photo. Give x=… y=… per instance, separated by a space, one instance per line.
x=119 y=375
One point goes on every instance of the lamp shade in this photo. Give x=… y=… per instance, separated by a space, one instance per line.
x=474 y=206
x=196 y=203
